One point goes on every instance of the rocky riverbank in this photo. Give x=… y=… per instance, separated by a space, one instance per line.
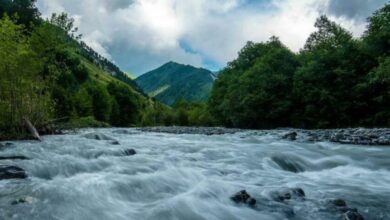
x=191 y=130
x=358 y=136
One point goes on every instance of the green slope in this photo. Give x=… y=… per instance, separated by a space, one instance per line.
x=173 y=81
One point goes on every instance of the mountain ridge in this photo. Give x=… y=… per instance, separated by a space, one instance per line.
x=173 y=81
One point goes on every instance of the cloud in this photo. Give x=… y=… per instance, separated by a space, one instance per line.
x=354 y=9
x=139 y=35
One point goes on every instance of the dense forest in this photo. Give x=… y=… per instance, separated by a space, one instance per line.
x=48 y=74
x=334 y=81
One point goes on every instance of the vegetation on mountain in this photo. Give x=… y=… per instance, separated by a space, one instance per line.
x=48 y=73
x=174 y=81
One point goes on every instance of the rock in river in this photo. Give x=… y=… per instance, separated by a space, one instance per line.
x=99 y=136
x=244 y=197
x=130 y=152
x=288 y=194
x=12 y=172
x=292 y=136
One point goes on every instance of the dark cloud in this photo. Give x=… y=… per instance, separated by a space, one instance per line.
x=354 y=9
x=117 y=4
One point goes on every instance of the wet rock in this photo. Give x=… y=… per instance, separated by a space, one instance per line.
x=244 y=197
x=339 y=203
x=191 y=130
x=251 y=202
x=353 y=215
x=12 y=172
x=292 y=136
x=361 y=136
x=130 y=152
x=115 y=143
x=14 y=158
x=26 y=199
x=289 y=164
x=348 y=213
x=98 y=136
x=293 y=193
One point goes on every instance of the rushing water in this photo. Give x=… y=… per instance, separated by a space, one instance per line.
x=190 y=177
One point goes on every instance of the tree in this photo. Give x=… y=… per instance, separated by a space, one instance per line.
x=377 y=36
x=254 y=90
x=23 y=92
x=102 y=102
x=125 y=104
x=66 y=23
x=25 y=12
x=324 y=84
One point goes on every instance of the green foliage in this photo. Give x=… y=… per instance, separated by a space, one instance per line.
x=323 y=83
x=46 y=73
x=24 y=11
x=22 y=91
x=377 y=36
x=172 y=81
x=257 y=95
x=84 y=122
x=126 y=105
x=101 y=101
x=335 y=81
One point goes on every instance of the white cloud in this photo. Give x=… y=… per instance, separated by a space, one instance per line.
x=142 y=34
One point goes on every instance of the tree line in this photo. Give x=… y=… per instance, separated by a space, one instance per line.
x=47 y=73
x=336 y=80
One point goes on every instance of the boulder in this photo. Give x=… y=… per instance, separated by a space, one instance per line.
x=115 y=143
x=98 y=136
x=293 y=193
x=292 y=136
x=12 y=172
x=353 y=215
x=243 y=197
x=130 y=152
x=339 y=203
x=26 y=199
x=348 y=213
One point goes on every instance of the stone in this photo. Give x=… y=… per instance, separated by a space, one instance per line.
x=12 y=172
x=115 y=143
x=26 y=199
x=251 y=202
x=339 y=203
x=245 y=198
x=292 y=136
x=98 y=136
x=353 y=215
x=130 y=152
x=293 y=193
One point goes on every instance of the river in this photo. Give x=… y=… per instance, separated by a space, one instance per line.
x=192 y=176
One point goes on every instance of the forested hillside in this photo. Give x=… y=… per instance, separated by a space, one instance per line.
x=336 y=80
x=174 y=81
x=48 y=74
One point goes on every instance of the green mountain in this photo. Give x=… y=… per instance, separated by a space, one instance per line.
x=48 y=75
x=174 y=81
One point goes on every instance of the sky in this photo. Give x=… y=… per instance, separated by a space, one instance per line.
x=140 y=35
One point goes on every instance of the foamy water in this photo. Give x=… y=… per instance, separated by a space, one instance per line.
x=192 y=177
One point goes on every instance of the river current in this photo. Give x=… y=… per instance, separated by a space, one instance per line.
x=192 y=177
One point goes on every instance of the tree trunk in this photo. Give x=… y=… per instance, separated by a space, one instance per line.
x=34 y=133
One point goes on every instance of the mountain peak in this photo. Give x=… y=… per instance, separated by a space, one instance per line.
x=173 y=80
